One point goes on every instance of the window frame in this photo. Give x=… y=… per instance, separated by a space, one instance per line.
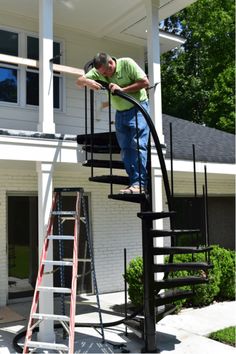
x=12 y=66
x=22 y=72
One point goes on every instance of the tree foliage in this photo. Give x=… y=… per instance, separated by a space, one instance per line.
x=198 y=78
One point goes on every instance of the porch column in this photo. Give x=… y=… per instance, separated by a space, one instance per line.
x=154 y=72
x=45 y=172
x=46 y=123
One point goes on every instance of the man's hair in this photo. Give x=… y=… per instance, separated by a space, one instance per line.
x=101 y=59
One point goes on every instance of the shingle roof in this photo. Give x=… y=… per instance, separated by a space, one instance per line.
x=211 y=145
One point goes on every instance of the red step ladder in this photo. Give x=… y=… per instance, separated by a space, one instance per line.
x=68 y=322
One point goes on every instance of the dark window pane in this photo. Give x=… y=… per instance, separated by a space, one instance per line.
x=8 y=85
x=8 y=43
x=56 y=52
x=33 y=48
x=56 y=92
x=32 y=88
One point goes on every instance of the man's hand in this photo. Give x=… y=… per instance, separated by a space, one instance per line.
x=114 y=87
x=83 y=81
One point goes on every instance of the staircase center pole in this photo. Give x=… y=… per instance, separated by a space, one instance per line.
x=148 y=280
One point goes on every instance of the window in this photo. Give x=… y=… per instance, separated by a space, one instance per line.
x=8 y=72
x=10 y=87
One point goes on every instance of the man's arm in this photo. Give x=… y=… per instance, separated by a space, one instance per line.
x=136 y=86
x=83 y=81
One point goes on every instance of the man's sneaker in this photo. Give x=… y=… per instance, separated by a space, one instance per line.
x=132 y=190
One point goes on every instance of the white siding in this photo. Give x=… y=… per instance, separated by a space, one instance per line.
x=78 y=48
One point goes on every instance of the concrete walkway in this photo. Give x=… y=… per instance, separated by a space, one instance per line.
x=185 y=333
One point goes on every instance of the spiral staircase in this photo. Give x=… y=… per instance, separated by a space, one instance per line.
x=160 y=291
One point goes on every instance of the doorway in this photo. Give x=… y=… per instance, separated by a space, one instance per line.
x=22 y=245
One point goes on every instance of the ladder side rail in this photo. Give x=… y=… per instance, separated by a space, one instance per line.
x=74 y=274
x=40 y=274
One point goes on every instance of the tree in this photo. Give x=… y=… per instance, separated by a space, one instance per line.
x=198 y=78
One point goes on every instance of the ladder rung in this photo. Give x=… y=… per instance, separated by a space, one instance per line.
x=54 y=289
x=58 y=263
x=45 y=316
x=46 y=345
x=61 y=237
x=64 y=213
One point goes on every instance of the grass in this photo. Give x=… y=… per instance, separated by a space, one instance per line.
x=226 y=335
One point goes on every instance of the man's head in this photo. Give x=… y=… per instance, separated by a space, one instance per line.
x=104 y=64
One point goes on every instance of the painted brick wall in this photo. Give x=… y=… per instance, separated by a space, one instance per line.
x=115 y=225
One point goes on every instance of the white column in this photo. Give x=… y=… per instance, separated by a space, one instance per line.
x=154 y=68
x=46 y=123
x=45 y=172
x=154 y=73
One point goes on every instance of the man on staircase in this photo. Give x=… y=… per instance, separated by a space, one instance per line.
x=124 y=74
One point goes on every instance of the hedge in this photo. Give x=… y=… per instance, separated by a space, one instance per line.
x=221 y=284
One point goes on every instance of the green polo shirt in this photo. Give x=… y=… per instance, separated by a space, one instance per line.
x=127 y=72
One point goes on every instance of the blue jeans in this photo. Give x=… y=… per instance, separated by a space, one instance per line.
x=126 y=133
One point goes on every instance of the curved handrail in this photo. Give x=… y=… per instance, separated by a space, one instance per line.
x=155 y=139
x=154 y=136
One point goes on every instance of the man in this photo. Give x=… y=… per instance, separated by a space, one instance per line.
x=125 y=75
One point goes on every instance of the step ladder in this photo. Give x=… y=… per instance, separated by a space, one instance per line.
x=67 y=321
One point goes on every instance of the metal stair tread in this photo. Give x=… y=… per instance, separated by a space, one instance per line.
x=179 y=250
x=150 y=215
x=47 y=345
x=175 y=282
x=162 y=233
x=136 y=325
x=168 y=267
x=101 y=149
x=168 y=309
x=104 y=163
x=172 y=295
x=39 y=316
x=54 y=289
x=123 y=180
x=97 y=138
x=133 y=198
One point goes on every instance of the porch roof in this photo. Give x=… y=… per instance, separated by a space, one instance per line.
x=123 y=20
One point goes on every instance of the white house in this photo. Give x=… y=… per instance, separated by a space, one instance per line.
x=42 y=111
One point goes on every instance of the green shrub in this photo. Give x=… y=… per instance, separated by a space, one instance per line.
x=134 y=277
x=226 y=262
x=221 y=285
